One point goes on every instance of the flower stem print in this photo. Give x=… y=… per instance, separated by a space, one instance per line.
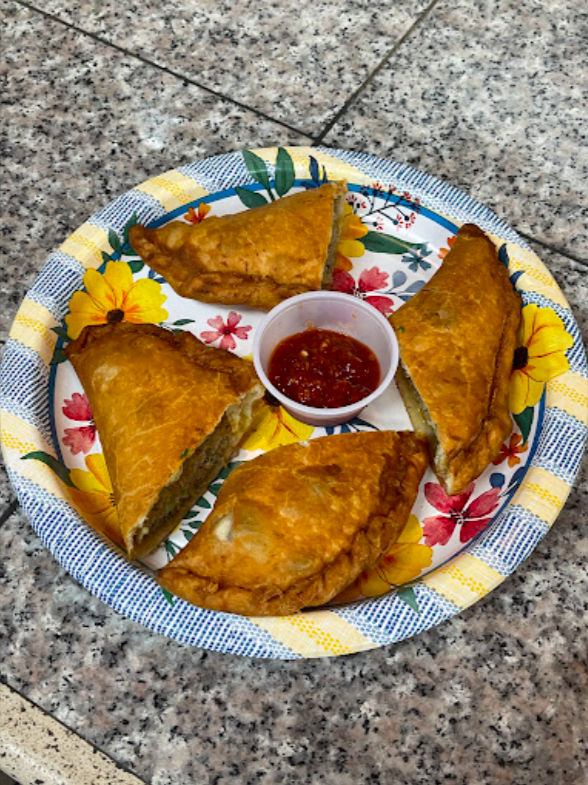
x=393 y=203
x=376 y=240
x=120 y=247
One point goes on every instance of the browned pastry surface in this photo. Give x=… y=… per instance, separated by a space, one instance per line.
x=169 y=412
x=258 y=257
x=457 y=339
x=293 y=527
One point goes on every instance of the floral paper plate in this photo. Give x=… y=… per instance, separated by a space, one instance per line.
x=398 y=226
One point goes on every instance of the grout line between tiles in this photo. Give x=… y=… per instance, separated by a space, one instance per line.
x=164 y=69
x=554 y=248
x=53 y=728
x=8 y=511
x=319 y=138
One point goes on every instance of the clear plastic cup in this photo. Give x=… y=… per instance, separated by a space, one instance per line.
x=327 y=311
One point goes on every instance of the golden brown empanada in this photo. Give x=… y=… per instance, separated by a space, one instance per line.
x=170 y=412
x=296 y=525
x=258 y=257
x=457 y=339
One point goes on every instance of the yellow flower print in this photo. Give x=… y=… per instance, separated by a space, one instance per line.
x=94 y=498
x=351 y=230
x=274 y=427
x=539 y=357
x=404 y=561
x=115 y=297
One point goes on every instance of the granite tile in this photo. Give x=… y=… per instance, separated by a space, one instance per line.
x=490 y=97
x=495 y=696
x=83 y=123
x=7 y=496
x=572 y=278
x=37 y=749
x=296 y=60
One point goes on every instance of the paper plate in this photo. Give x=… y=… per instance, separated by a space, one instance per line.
x=399 y=225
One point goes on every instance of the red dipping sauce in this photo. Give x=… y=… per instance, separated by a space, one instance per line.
x=324 y=369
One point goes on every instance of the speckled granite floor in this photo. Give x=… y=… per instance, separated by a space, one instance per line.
x=489 y=96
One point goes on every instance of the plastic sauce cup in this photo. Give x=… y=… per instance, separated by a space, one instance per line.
x=335 y=311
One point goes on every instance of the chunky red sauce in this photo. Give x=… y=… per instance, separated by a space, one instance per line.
x=324 y=369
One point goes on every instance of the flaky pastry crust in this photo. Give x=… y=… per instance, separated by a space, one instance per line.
x=257 y=257
x=295 y=526
x=457 y=339
x=156 y=398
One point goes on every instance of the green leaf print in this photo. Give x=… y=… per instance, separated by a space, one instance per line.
x=377 y=242
x=136 y=265
x=257 y=168
x=59 y=356
x=114 y=241
x=49 y=460
x=168 y=595
x=129 y=224
x=525 y=420
x=407 y=595
x=61 y=332
x=284 y=172
x=250 y=198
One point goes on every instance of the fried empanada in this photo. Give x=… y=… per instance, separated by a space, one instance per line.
x=169 y=411
x=293 y=527
x=258 y=257
x=457 y=339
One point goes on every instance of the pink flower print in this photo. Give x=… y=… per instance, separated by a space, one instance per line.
x=78 y=408
x=225 y=331
x=79 y=439
x=369 y=281
x=471 y=518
